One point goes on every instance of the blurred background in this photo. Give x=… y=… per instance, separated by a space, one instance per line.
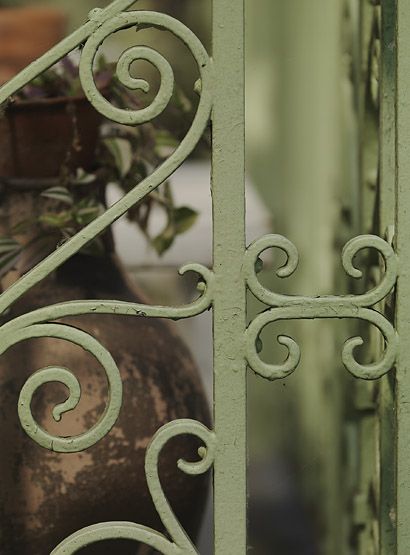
x=302 y=182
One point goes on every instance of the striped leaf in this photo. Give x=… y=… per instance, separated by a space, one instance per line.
x=60 y=193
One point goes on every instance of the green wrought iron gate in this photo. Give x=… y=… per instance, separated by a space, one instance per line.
x=381 y=76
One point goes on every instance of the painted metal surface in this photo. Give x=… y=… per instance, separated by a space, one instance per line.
x=222 y=288
x=403 y=246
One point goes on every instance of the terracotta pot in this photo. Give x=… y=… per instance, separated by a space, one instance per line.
x=46 y=496
x=38 y=137
x=25 y=34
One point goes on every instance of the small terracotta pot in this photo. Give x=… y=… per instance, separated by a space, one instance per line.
x=38 y=138
x=25 y=34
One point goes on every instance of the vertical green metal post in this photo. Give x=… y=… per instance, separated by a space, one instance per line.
x=230 y=292
x=386 y=219
x=403 y=288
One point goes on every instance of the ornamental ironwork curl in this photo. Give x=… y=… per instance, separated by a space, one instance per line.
x=294 y=307
x=180 y=543
x=64 y=376
x=25 y=326
x=103 y=23
x=38 y=323
x=159 y=175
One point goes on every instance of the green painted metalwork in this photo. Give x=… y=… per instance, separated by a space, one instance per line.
x=386 y=213
x=222 y=288
x=402 y=242
x=229 y=322
x=101 y=24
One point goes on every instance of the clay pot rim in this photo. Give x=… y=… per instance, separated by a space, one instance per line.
x=35 y=103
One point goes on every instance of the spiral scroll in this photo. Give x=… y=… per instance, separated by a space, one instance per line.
x=39 y=323
x=36 y=323
x=62 y=375
x=165 y=170
x=293 y=307
x=101 y=25
x=161 y=101
x=351 y=249
x=180 y=543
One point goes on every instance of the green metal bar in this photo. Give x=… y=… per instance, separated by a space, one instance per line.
x=403 y=287
x=387 y=116
x=386 y=210
x=230 y=293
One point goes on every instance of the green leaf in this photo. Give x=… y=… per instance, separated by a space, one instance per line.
x=120 y=150
x=163 y=242
x=165 y=138
x=10 y=251
x=62 y=194
x=83 y=178
x=181 y=100
x=165 y=143
x=56 y=220
x=8 y=245
x=86 y=215
x=179 y=220
x=184 y=218
x=137 y=172
x=8 y=262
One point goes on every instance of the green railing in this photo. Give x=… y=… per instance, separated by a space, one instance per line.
x=385 y=54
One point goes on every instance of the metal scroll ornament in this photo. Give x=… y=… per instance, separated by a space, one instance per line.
x=286 y=307
x=42 y=322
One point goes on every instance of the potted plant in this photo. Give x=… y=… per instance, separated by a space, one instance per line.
x=47 y=496
x=26 y=32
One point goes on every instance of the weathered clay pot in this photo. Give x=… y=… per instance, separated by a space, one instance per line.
x=47 y=496
x=44 y=496
x=39 y=137
x=25 y=34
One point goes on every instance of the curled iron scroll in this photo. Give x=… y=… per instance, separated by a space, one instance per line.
x=39 y=323
x=293 y=307
x=36 y=323
x=180 y=543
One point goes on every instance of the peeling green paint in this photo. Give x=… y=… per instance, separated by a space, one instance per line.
x=223 y=288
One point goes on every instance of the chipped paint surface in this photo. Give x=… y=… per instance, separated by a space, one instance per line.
x=133 y=390
x=159 y=386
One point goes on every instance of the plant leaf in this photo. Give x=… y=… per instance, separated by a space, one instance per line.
x=83 y=178
x=184 y=219
x=8 y=262
x=163 y=241
x=10 y=251
x=56 y=220
x=8 y=245
x=87 y=214
x=120 y=150
x=60 y=193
